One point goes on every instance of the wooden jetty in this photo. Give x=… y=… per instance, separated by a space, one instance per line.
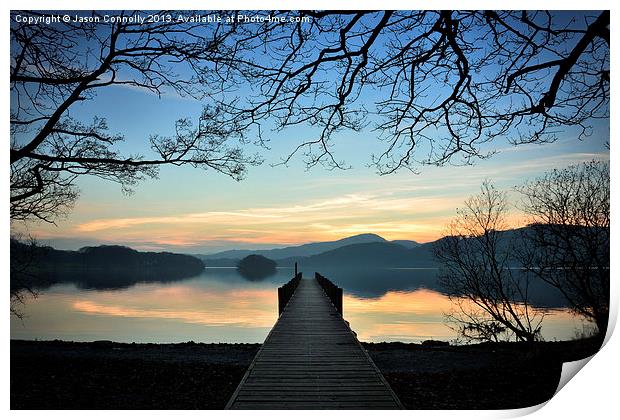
x=311 y=359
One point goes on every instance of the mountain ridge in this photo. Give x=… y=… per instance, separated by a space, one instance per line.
x=303 y=250
x=372 y=254
x=387 y=254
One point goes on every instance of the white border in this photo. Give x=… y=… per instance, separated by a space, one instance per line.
x=592 y=394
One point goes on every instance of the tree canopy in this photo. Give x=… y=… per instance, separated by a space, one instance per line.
x=436 y=86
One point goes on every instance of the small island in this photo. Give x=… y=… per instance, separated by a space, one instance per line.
x=256 y=267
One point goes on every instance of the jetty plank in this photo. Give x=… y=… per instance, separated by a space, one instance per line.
x=312 y=360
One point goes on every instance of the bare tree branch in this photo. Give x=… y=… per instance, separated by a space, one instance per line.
x=492 y=301
x=54 y=67
x=569 y=211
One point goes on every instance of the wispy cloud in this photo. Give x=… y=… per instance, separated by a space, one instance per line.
x=396 y=207
x=243 y=217
x=386 y=213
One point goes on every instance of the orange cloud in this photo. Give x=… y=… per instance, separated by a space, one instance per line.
x=405 y=212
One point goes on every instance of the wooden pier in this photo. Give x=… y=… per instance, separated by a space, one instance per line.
x=311 y=359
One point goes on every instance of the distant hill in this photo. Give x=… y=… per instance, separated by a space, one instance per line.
x=293 y=251
x=394 y=254
x=367 y=250
x=218 y=262
x=406 y=243
x=99 y=267
x=374 y=254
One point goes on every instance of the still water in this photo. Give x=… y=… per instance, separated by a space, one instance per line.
x=219 y=305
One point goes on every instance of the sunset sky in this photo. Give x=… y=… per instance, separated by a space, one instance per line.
x=189 y=210
x=196 y=211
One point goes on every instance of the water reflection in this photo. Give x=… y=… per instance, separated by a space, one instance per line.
x=415 y=316
x=374 y=283
x=219 y=305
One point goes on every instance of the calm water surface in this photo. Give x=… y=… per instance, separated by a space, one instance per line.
x=221 y=306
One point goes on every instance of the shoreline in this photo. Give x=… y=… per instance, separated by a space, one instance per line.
x=112 y=375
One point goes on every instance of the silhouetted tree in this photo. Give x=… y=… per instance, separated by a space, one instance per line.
x=437 y=85
x=56 y=66
x=569 y=234
x=25 y=254
x=491 y=300
x=443 y=84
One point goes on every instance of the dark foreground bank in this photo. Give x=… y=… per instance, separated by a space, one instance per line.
x=482 y=376
x=106 y=375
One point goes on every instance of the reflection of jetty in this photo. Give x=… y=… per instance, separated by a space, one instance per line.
x=311 y=359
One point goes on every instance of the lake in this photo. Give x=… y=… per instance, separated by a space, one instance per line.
x=219 y=305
